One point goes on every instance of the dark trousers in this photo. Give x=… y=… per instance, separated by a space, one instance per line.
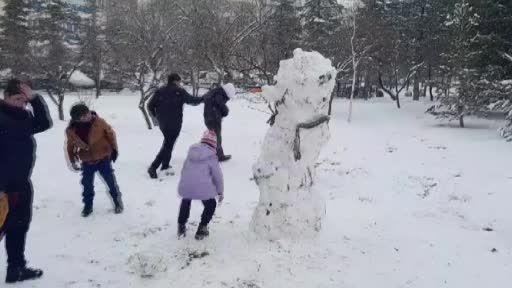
x=217 y=127
x=163 y=158
x=208 y=211
x=104 y=167
x=18 y=221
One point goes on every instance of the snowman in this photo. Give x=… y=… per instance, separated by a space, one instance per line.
x=289 y=206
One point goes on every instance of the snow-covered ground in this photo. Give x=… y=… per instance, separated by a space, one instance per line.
x=408 y=205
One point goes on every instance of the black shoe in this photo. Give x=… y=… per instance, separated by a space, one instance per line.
x=202 y=232
x=182 y=231
x=224 y=158
x=163 y=168
x=87 y=211
x=119 y=206
x=21 y=274
x=152 y=173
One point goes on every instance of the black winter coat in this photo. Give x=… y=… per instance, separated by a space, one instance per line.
x=167 y=106
x=215 y=107
x=17 y=143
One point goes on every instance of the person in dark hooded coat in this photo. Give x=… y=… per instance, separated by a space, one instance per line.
x=166 y=106
x=215 y=109
x=17 y=158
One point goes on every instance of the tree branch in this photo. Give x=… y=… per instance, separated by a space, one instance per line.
x=306 y=125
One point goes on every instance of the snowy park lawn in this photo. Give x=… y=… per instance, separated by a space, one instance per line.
x=410 y=203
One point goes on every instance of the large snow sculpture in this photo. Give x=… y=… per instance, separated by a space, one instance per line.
x=289 y=207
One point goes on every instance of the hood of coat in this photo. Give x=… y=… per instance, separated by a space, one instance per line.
x=15 y=112
x=201 y=152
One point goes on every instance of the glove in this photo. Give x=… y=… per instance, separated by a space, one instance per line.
x=114 y=155
x=75 y=167
x=221 y=198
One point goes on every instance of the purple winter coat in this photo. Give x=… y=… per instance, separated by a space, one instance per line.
x=201 y=177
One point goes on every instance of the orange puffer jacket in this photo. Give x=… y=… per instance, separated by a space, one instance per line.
x=101 y=142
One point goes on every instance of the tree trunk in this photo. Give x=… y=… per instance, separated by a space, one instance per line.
x=98 y=90
x=416 y=88
x=353 y=91
x=397 y=91
x=61 y=105
x=220 y=77
x=98 y=76
x=145 y=114
x=195 y=83
x=367 y=89
x=430 y=84
x=448 y=86
x=461 y=121
x=333 y=94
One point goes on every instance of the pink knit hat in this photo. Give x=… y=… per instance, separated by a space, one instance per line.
x=210 y=138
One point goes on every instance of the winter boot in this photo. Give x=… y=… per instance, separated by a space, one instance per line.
x=87 y=211
x=119 y=206
x=18 y=274
x=202 y=232
x=224 y=158
x=169 y=171
x=152 y=173
x=182 y=231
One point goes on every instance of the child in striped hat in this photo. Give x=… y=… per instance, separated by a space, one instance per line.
x=201 y=179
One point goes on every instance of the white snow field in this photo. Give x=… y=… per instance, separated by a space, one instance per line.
x=408 y=205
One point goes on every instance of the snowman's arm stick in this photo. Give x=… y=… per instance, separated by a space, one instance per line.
x=274 y=111
x=306 y=125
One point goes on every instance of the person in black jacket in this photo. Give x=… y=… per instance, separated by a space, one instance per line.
x=215 y=109
x=17 y=157
x=166 y=106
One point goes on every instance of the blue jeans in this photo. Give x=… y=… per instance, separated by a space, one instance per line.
x=104 y=167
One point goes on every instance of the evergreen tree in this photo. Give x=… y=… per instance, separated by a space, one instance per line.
x=15 y=36
x=463 y=23
x=55 y=59
x=285 y=28
x=282 y=36
x=493 y=39
x=322 y=25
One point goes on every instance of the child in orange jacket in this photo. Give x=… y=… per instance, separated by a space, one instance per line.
x=91 y=141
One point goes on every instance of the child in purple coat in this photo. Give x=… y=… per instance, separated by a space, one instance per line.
x=201 y=179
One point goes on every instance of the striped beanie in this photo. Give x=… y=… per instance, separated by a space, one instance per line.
x=210 y=138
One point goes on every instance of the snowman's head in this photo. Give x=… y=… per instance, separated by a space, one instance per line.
x=306 y=82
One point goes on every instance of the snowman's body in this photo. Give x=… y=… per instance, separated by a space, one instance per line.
x=289 y=206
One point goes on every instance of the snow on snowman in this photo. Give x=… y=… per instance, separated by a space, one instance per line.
x=289 y=206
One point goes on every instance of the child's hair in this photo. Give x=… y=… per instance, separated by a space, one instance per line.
x=78 y=110
x=13 y=87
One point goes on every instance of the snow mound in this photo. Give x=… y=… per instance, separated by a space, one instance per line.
x=147 y=264
x=79 y=79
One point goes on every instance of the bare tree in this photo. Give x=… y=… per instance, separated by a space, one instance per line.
x=222 y=27
x=359 y=53
x=139 y=44
x=398 y=84
x=94 y=39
